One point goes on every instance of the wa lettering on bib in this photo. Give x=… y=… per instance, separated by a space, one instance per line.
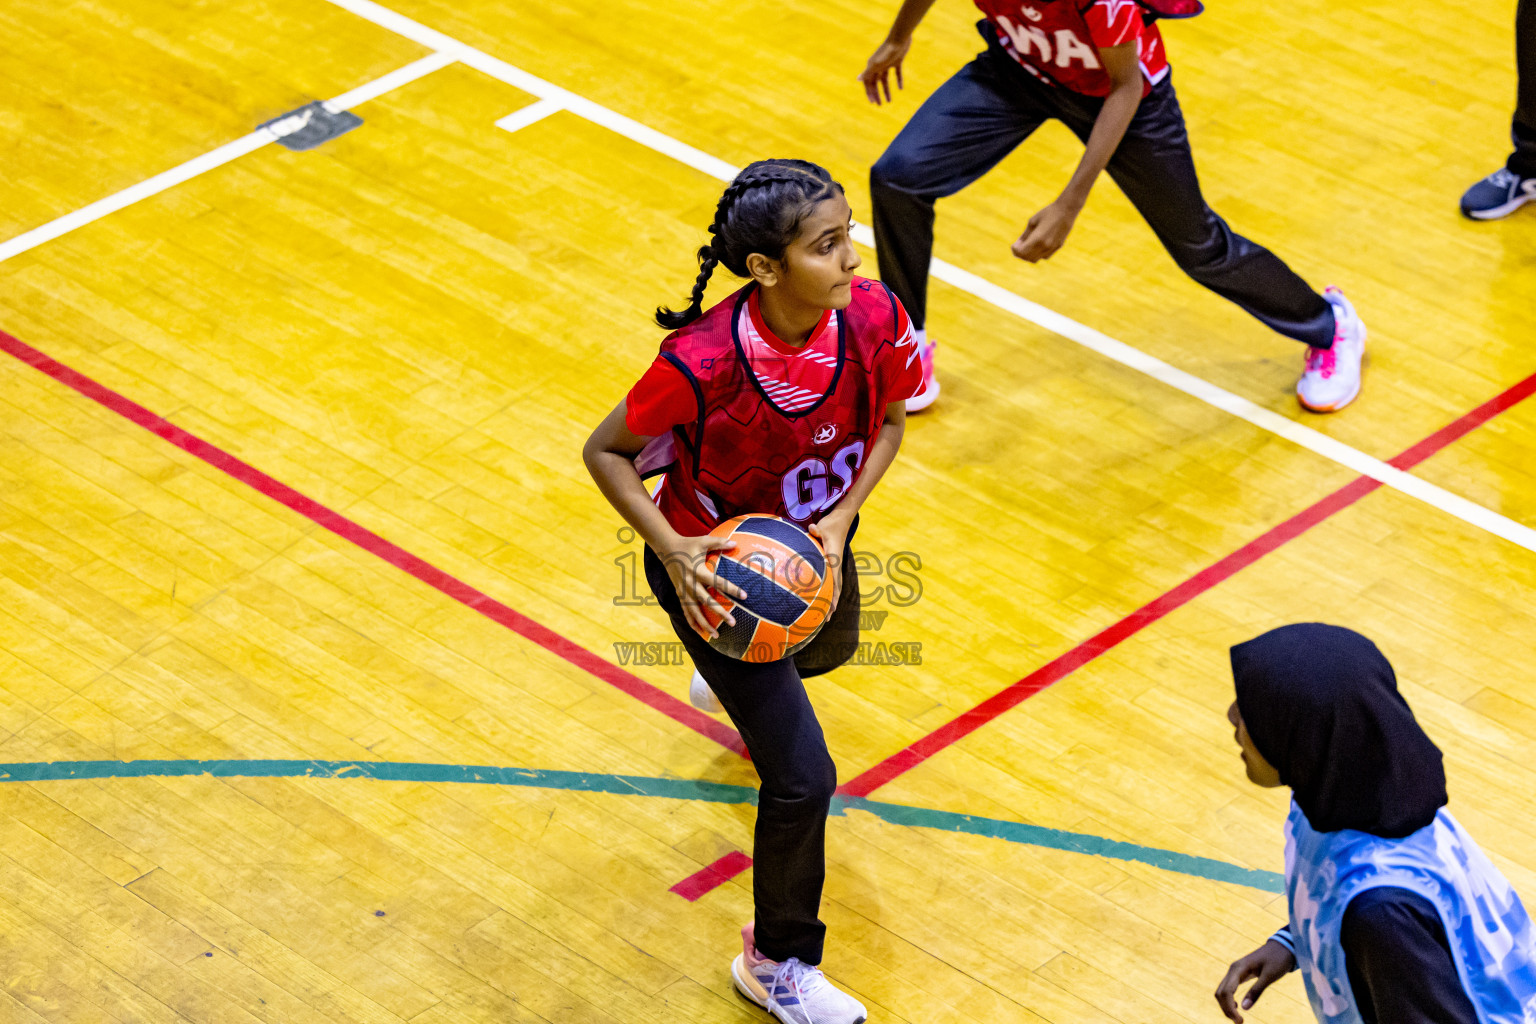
x=1058 y=41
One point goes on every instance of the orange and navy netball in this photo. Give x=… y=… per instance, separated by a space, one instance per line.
x=784 y=572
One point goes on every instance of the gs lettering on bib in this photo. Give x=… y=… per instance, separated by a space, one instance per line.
x=1058 y=41
x=815 y=484
x=757 y=447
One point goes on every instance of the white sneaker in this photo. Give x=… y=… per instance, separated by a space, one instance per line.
x=702 y=697
x=1332 y=377
x=794 y=992
x=924 y=398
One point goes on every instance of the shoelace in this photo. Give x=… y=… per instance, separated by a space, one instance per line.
x=808 y=980
x=1503 y=177
x=1322 y=360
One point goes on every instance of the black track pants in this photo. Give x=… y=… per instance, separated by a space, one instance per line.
x=769 y=707
x=990 y=106
x=1523 y=160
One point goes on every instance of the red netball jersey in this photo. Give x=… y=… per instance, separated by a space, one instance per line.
x=1058 y=41
x=746 y=423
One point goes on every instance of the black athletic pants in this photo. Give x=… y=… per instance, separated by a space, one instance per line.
x=769 y=707
x=990 y=106
x=1523 y=160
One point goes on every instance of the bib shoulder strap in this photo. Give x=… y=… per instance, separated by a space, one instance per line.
x=1170 y=8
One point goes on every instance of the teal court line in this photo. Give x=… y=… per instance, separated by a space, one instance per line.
x=641 y=785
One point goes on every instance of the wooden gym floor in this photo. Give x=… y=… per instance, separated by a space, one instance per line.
x=292 y=514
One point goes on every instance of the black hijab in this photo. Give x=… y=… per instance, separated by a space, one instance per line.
x=1321 y=704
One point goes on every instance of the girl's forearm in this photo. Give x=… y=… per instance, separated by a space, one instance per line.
x=881 y=454
x=1108 y=129
x=621 y=485
x=908 y=18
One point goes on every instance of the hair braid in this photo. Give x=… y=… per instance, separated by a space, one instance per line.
x=676 y=319
x=767 y=230
x=708 y=260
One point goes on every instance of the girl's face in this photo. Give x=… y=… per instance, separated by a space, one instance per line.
x=817 y=268
x=1260 y=771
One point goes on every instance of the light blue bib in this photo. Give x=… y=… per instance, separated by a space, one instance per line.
x=1486 y=925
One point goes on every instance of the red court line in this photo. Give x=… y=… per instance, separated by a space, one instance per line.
x=371 y=542
x=716 y=874
x=964 y=724
x=1459 y=428
x=956 y=729
x=734 y=863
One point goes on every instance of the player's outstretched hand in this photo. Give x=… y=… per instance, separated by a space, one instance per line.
x=694 y=582
x=887 y=58
x=1267 y=964
x=1046 y=233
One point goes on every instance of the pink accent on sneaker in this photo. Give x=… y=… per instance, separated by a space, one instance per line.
x=1332 y=377
x=1323 y=360
x=751 y=971
x=930 y=391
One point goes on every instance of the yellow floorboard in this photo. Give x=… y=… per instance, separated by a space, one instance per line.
x=103 y=94
x=418 y=323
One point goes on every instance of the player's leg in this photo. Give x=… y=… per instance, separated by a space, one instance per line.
x=1155 y=168
x=1513 y=185
x=959 y=133
x=769 y=707
x=1523 y=160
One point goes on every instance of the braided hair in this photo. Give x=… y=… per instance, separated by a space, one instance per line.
x=761 y=211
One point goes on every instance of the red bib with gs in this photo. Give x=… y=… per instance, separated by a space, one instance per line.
x=744 y=453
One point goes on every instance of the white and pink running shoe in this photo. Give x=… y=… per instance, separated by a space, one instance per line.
x=793 y=992
x=701 y=696
x=924 y=398
x=1332 y=377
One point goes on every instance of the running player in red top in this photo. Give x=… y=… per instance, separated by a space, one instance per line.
x=788 y=398
x=1098 y=66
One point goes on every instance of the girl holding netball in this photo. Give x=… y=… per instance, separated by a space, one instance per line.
x=1099 y=67
x=1396 y=916
x=786 y=398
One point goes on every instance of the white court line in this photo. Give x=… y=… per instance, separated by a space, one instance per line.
x=535 y=111
x=1238 y=406
x=208 y=161
x=1103 y=344
x=532 y=84
x=390 y=82
x=447 y=50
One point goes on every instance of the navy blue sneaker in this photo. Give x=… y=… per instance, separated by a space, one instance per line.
x=1498 y=195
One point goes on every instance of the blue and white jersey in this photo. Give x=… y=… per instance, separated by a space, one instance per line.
x=1485 y=923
